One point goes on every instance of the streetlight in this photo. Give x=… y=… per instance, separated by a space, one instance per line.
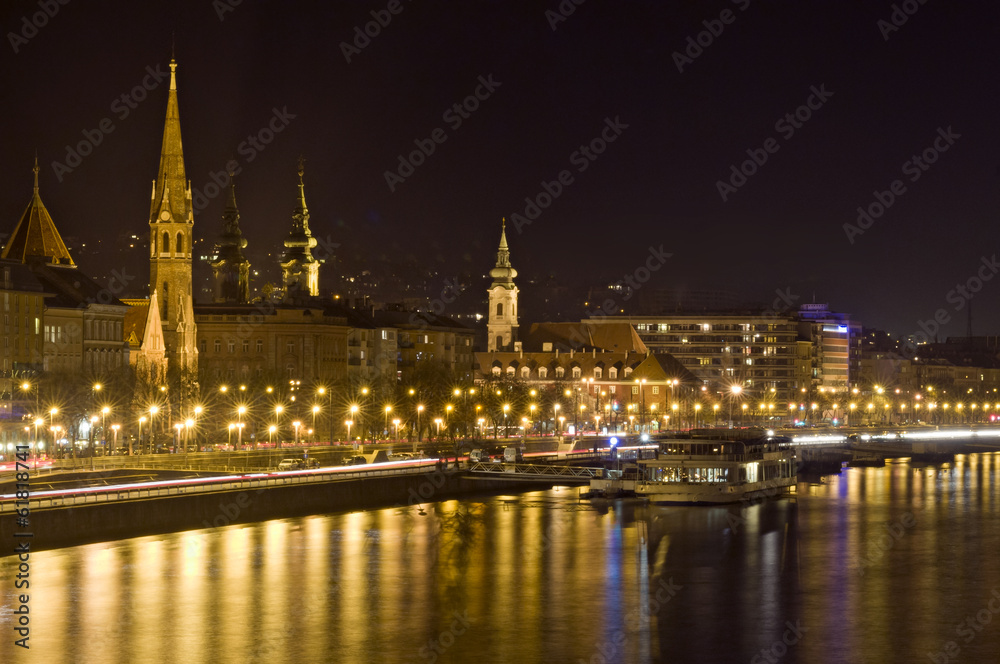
x=395 y=423
x=115 y=427
x=315 y=409
x=104 y=435
x=296 y=424
x=420 y=409
x=388 y=409
x=153 y=410
x=437 y=421
x=177 y=443
x=188 y=423
x=348 y=423
x=506 y=409
x=141 y=420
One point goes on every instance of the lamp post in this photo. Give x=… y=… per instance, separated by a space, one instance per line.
x=38 y=421
x=153 y=410
x=315 y=409
x=278 y=410
x=93 y=422
x=388 y=409
x=229 y=442
x=55 y=444
x=354 y=413
x=141 y=420
x=329 y=394
x=420 y=409
x=395 y=423
x=114 y=428
x=296 y=424
x=188 y=423
x=104 y=430
x=240 y=411
x=177 y=442
x=555 y=417
x=349 y=423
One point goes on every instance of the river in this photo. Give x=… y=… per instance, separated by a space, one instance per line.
x=893 y=564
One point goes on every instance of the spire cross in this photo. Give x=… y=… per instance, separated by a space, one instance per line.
x=35 y=170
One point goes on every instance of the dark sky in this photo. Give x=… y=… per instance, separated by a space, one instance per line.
x=656 y=184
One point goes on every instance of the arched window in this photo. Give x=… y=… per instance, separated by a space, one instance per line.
x=165 y=248
x=525 y=373
x=613 y=373
x=543 y=372
x=576 y=372
x=180 y=244
x=560 y=372
x=496 y=371
x=499 y=309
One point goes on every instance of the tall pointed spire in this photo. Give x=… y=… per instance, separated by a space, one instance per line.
x=231 y=268
x=171 y=172
x=503 y=274
x=36 y=236
x=501 y=322
x=300 y=270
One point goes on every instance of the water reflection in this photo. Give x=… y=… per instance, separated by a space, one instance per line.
x=542 y=577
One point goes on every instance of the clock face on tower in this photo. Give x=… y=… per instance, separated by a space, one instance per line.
x=164 y=216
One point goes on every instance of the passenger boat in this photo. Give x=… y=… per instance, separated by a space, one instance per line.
x=713 y=472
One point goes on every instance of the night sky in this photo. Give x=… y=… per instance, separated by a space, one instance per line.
x=886 y=92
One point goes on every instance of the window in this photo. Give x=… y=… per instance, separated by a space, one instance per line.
x=246 y=345
x=543 y=372
x=656 y=389
x=232 y=346
x=290 y=347
x=597 y=373
x=576 y=372
x=628 y=370
x=499 y=309
x=203 y=346
x=496 y=370
x=165 y=247
x=611 y=389
x=635 y=389
x=613 y=373
x=510 y=371
x=525 y=373
x=218 y=346
x=260 y=345
x=180 y=243
x=560 y=372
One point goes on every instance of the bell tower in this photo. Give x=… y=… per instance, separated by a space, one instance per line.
x=299 y=269
x=502 y=320
x=171 y=224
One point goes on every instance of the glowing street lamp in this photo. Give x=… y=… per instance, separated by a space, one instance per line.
x=114 y=428
x=296 y=424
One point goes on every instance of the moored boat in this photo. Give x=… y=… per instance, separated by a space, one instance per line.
x=712 y=472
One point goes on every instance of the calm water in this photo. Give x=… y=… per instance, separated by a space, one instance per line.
x=540 y=577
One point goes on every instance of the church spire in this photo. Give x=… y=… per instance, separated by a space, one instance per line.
x=300 y=270
x=503 y=274
x=36 y=236
x=230 y=268
x=171 y=172
x=501 y=322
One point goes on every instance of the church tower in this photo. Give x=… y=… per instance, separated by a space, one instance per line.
x=171 y=222
x=231 y=269
x=502 y=321
x=299 y=270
